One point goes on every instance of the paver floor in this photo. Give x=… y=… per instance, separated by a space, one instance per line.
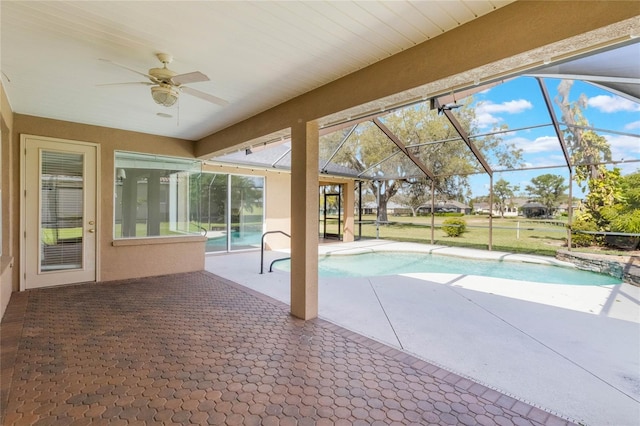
x=198 y=349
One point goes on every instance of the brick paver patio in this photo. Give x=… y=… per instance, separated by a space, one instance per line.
x=197 y=349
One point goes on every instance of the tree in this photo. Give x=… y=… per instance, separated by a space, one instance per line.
x=588 y=149
x=431 y=138
x=415 y=194
x=503 y=192
x=548 y=190
x=605 y=191
x=620 y=206
x=612 y=202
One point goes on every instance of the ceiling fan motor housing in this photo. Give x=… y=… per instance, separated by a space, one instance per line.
x=162 y=74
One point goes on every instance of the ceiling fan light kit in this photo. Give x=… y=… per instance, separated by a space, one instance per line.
x=164 y=95
x=166 y=84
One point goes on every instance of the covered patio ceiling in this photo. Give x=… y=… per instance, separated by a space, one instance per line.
x=605 y=84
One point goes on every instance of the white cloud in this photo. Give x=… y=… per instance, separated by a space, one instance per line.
x=537 y=145
x=624 y=147
x=633 y=125
x=610 y=104
x=485 y=111
x=485 y=120
x=510 y=107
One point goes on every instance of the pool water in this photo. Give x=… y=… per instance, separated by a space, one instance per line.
x=239 y=241
x=395 y=263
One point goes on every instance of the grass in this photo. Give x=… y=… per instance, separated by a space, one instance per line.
x=49 y=235
x=541 y=237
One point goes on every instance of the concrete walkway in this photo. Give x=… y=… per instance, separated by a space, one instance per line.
x=572 y=350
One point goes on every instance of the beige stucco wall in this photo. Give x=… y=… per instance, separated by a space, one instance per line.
x=144 y=257
x=6 y=260
x=278 y=212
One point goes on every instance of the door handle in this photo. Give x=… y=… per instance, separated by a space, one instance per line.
x=91 y=230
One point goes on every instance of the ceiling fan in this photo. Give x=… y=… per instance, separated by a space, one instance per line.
x=166 y=84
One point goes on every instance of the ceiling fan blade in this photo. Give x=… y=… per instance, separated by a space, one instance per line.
x=146 y=83
x=150 y=77
x=191 y=77
x=204 y=96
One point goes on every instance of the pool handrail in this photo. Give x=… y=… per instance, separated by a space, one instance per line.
x=277 y=260
x=262 y=249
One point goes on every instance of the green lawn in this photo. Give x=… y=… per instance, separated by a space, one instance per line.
x=538 y=237
x=49 y=235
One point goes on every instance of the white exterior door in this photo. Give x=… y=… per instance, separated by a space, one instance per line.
x=59 y=212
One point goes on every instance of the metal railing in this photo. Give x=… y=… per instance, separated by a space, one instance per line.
x=262 y=250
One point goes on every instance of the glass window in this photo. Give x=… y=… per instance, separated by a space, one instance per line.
x=229 y=209
x=152 y=195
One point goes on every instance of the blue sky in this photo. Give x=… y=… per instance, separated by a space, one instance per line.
x=518 y=103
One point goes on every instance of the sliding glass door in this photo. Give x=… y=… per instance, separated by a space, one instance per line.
x=247 y=218
x=230 y=210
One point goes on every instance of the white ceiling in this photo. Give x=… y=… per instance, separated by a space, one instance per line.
x=257 y=54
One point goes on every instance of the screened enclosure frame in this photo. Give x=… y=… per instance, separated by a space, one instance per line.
x=622 y=80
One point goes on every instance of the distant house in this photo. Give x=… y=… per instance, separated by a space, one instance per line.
x=446 y=206
x=564 y=207
x=369 y=208
x=509 y=211
x=534 y=209
x=393 y=209
x=482 y=208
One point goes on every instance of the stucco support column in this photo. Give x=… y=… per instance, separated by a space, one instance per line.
x=304 y=220
x=348 y=203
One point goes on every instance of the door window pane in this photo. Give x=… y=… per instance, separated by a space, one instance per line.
x=247 y=200
x=331 y=211
x=229 y=209
x=61 y=210
x=209 y=205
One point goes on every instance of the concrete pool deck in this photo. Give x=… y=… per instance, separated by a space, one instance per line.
x=572 y=350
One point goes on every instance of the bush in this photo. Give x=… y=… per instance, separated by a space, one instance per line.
x=622 y=221
x=583 y=240
x=454 y=227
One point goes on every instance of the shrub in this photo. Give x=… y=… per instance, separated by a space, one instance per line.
x=583 y=240
x=454 y=226
x=622 y=221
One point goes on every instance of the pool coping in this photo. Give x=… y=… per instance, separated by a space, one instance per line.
x=395 y=246
x=356 y=248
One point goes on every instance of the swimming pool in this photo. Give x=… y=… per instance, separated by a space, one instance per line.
x=396 y=263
